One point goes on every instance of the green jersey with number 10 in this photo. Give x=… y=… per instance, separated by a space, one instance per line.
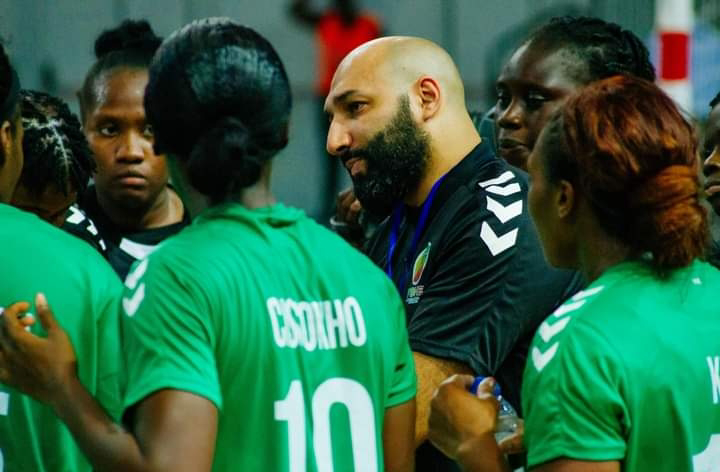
x=298 y=339
x=84 y=293
x=629 y=370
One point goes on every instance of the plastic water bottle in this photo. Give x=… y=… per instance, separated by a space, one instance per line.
x=507 y=420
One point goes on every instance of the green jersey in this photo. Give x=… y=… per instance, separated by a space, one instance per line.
x=629 y=370
x=298 y=339
x=84 y=293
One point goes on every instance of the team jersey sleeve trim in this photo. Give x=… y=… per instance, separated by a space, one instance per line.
x=395 y=399
x=573 y=406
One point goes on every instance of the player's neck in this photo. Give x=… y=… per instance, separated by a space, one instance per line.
x=166 y=209
x=440 y=162
x=597 y=251
x=259 y=194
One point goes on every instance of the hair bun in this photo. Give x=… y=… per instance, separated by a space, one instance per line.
x=224 y=156
x=669 y=217
x=129 y=35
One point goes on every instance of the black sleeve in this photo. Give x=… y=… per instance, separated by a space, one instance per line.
x=463 y=282
x=489 y=289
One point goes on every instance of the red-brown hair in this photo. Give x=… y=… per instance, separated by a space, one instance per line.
x=632 y=155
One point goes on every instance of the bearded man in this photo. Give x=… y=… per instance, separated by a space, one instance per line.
x=458 y=244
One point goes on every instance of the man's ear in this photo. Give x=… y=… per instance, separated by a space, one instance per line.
x=6 y=140
x=428 y=91
x=565 y=199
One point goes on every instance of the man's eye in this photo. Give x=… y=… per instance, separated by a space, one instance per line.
x=356 y=107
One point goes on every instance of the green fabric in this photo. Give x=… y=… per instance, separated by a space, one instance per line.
x=206 y=313
x=83 y=292
x=624 y=371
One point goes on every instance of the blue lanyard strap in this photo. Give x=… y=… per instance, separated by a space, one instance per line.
x=397 y=217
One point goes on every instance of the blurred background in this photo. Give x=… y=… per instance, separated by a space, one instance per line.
x=51 y=44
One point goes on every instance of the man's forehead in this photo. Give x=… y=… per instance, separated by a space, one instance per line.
x=356 y=79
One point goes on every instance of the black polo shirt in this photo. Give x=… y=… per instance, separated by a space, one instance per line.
x=477 y=285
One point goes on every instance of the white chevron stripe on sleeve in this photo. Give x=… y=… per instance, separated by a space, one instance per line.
x=540 y=359
x=568 y=307
x=506 y=190
x=502 y=212
x=547 y=331
x=497 y=244
x=504 y=177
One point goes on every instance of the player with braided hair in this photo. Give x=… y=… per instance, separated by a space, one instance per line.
x=557 y=59
x=57 y=166
x=131 y=202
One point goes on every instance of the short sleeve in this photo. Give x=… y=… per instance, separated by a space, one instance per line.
x=167 y=334
x=404 y=381
x=573 y=397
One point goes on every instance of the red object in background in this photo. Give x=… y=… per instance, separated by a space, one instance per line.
x=336 y=40
x=674 y=56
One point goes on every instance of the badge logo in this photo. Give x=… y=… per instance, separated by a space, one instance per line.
x=420 y=263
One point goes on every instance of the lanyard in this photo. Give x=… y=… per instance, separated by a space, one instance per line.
x=397 y=217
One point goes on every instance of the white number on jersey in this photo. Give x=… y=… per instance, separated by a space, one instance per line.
x=333 y=391
x=709 y=459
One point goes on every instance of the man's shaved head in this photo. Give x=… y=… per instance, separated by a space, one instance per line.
x=400 y=61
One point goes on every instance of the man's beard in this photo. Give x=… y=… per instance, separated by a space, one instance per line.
x=396 y=159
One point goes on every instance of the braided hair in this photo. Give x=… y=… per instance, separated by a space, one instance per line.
x=54 y=146
x=132 y=44
x=606 y=48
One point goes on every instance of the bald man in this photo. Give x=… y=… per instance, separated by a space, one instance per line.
x=458 y=244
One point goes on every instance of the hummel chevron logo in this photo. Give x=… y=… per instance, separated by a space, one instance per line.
x=497 y=244
x=76 y=217
x=498 y=180
x=504 y=191
x=586 y=293
x=504 y=213
x=131 y=304
x=540 y=359
x=133 y=277
x=4 y=403
x=548 y=331
x=568 y=307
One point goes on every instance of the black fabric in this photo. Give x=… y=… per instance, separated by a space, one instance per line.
x=116 y=237
x=714 y=254
x=78 y=224
x=475 y=307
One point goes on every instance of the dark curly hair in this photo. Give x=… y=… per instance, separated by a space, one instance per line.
x=606 y=48
x=131 y=44
x=54 y=146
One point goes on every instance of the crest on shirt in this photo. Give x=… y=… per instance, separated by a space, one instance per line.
x=420 y=263
x=415 y=291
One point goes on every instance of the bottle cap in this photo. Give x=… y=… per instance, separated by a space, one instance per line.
x=497 y=391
